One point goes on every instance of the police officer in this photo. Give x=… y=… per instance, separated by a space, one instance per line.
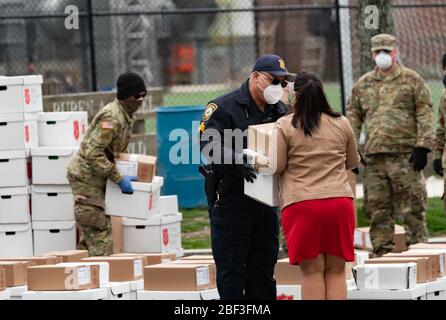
x=439 y=153
x=108 y=135
x=244 y=232
x=394 y=103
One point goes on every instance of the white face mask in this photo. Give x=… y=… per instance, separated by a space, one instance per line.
x=273 y=93
x=383 y=60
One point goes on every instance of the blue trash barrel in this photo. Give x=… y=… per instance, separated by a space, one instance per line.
x=179 y=153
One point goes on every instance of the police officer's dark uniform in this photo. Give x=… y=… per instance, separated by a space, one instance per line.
x=244 y=232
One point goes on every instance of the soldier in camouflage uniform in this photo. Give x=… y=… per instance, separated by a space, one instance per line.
x=108 y=135
x=439 y=153
x=395 y=106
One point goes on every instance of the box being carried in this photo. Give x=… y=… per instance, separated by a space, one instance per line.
x=362 y=239
x=61 y=129
x=141 y=166
x=21 y=94
x=50 y=164
x=259 y=138
x=385 y=276
x=63 y=278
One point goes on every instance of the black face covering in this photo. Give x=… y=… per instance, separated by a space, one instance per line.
x=131 y=106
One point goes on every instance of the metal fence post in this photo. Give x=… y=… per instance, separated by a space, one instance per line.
x=94 y=84
x=341 y=66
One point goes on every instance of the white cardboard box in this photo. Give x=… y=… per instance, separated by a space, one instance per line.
x=142 y=204
x=16 y=293
x=54 y=236
x=14 y=205
x=92 y=294
x=118 y=291
x=5 y=295
x=436 y=290
x=153 y=235
x=137 y=285
x=169 y=205
x=61 y=129
x=104 y=270
x=385 y=276
x=416 y=293
x=18 y=131
x=21 y=94
x=16 y=240
x=178 y=295
x=265 y=188
x=289 y=292
x=52 y=203
x=50 y=164
x=15 y=168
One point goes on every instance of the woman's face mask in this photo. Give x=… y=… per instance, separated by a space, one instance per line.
x=272 y=93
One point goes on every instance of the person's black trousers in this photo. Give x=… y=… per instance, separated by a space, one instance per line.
x=245 y=246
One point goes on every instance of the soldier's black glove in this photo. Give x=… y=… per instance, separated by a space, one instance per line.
x=419 y=158
x=438 y=167
x=246 y=170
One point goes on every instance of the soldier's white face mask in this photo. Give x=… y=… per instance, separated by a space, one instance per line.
x=383 y=60
x=272 y=93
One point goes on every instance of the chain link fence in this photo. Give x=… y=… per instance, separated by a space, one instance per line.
x=196 y=50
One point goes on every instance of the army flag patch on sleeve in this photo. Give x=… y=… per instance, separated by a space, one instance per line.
x=107 y=125
x=210 y=109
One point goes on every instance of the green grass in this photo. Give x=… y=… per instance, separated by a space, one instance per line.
x=196 y=232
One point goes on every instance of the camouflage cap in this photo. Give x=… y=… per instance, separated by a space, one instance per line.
x=383 y=41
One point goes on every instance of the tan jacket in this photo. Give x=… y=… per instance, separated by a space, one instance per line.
x=314 y=167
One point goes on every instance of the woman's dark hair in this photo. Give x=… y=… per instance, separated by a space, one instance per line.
x=310 y=102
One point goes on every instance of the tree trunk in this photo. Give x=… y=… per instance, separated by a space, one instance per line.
x=365 y=34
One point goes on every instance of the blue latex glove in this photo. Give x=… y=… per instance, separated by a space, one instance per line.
x=126 y=184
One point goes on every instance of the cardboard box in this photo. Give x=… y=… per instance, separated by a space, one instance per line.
x=104 y=270
x=436 y=290
x=69 y=256
x=119 y=291
x=428 y=246
x=18 y=131
x=52 y=203
x=169 y=205
x=16 y=293
x=153 y=235
x=138 y=165
x=149 y=258
x=61 y=129
x=362 y=239
x=14 y=205
x=117 y=234
x=385 y=276
x=39 y=261
x=211 y=294
x=439 y=256
x=287 y=274
x=2 y=279
x=199 y=257
x=178 y=277
x=416 y=293
x=15 y=272
x=15 y=168
x=210 y=263
x=54 y=236
x=50 y=164
x=62 y=278
x=16 y=240
x=142 y=204
x=21 y=94
x=426 y=271
x=4 y=295
x=289 y=292
x=259 y=138
x=121 y=268
x=90 y=294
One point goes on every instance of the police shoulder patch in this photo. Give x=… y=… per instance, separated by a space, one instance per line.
x=210 y=109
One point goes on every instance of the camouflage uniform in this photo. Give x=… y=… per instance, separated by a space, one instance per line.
x=440 y=137
x=108 y=135
x=398 y=116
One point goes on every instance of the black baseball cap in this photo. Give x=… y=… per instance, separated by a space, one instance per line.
x=274 y=65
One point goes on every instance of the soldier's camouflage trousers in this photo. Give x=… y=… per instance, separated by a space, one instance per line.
x=89 y=209
x=394 y=188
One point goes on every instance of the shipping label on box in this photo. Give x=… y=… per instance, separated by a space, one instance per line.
x=202 y=276
x=127 y=168
x=142 y=166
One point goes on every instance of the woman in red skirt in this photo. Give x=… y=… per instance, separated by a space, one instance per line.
x=315 y=148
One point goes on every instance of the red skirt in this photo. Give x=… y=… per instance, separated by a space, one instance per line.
x=315 y=227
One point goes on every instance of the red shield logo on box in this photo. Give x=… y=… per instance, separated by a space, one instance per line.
x=151 y=201
x=27 y=96
x=285 y=297
x=165 y=236
x=76 y=129
x=26 y=134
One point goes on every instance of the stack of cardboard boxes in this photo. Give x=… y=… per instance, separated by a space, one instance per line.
x=54 y=226
x=20 y=104
x=150 y=223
